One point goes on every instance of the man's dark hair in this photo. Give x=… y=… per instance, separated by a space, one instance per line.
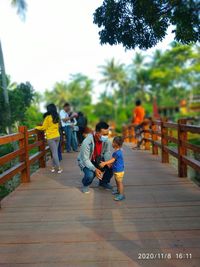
x=66 y=105
x=101 y=125
x=138 y=102
x=118 y=140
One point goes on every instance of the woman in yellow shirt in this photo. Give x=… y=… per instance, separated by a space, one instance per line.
x=51 y=127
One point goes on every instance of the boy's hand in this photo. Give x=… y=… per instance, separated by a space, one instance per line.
x=99 y=174
x=109 y=165
x=102 y=164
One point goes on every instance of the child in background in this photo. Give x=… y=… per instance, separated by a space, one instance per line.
x=118 y=167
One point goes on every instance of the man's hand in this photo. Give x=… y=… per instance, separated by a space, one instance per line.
x=65 y=119
x=99 y=174
x=74 y=115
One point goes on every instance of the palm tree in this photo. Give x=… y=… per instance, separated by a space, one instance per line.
x=140 y=74
x=5 y=89
x=77 y=92
x=114 y=77
x=21 y=6
x=21 y=9
x=59 y=95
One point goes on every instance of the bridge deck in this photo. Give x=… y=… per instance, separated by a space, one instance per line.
x=50 y=223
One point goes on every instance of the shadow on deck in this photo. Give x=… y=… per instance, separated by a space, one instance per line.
x=49 y=222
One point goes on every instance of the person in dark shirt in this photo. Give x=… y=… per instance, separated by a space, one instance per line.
x=82 y=124
x=117 y=162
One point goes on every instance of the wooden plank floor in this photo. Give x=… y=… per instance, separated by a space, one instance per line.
x=49 y=222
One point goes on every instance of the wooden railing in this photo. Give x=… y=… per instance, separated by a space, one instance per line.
x=161 y=133
x=25 y=140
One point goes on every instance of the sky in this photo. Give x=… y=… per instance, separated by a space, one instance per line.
x=57 y=38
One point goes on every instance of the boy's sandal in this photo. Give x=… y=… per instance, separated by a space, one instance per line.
x=119 y=197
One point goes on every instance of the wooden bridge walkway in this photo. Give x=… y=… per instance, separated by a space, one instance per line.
x=50 y=223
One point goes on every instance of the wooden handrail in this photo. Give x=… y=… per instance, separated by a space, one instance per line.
x=10 y=138
x=22 y=166
x=160 y=133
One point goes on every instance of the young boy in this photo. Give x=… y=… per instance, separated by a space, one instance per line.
x=118 y=167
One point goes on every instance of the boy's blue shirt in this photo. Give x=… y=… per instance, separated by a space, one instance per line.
x=118 y=165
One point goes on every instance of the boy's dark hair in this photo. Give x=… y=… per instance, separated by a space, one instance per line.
x=101 y=125
x=118 y=140
x=66 y=105
x=138 y=102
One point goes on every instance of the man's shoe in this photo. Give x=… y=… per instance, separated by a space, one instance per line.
x=119 y=197
x=106 y=186
x=85 y=190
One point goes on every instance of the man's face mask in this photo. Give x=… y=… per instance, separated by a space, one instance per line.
x=103 y=138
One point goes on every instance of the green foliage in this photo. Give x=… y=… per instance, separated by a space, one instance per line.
x=78 y=92
x=5 y=149
x=32 y=117
x=168 y=76
x=20 y=98
x=174 y=73
x=144 y=23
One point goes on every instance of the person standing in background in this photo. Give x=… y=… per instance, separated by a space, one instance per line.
x=82 y=124
x=138 y=118
x=74 y=143
x=51 y=127
x=67 y=126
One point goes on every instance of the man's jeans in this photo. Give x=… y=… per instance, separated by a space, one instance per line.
x=69 y=139
x=89 y=176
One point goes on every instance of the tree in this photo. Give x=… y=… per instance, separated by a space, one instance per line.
x=32 y=117
x=21 y=97
x=174 y=74
x=5 y=96
x=139 y=74
x=144 y=23
x=21 y=6
x=77 y=91
x=104 y=108
x=114 y=77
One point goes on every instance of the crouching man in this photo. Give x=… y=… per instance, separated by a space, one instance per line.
x=96 y=148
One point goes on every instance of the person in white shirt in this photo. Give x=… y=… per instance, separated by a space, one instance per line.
x=67 y=126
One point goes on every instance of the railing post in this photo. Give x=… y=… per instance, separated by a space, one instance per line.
x=42 y=160
x=63 y=141
x=164 y=142
x=131 y=134
x=182 y=151
x=125 y=134
x=23 y=143
x=154 y=138
x=146 y=127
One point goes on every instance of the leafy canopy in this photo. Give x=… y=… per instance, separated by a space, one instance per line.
x=20 y=97
x=144 y=23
